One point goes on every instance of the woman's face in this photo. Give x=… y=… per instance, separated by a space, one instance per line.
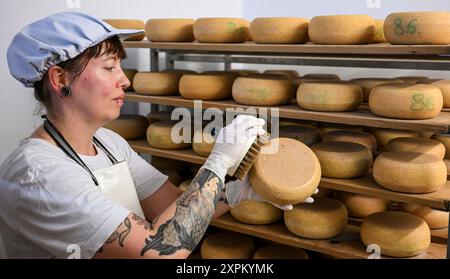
x=98 y=92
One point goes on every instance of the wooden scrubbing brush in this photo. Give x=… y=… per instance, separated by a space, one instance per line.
x=249 y=152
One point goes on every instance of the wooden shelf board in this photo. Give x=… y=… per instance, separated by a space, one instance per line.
x=362 y=117
x=348 y=245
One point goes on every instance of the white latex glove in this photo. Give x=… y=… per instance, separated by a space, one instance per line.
x=230 y=141
x=240 y=190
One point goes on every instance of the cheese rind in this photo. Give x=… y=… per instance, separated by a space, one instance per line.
x=170 y=30
x=279 y=30
x=221 y=30
x=256 y=213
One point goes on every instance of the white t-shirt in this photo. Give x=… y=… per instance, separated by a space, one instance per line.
x=50 y=206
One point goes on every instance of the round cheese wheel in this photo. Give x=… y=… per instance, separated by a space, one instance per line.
x=256 y=213
x=436 y=219
x=418 y=28
x=307 y=135
x=409 y=172
x=203 y=142
x=398 y=234
x=368 y=84
x=330 y=127
x=445 y=140
x=343 y=159
x=361 y=206
x=276 y=251
x=419 y=145
x=329 y=96
x=363 y=138
x=341 y=29
x=262 y=91
x=221 y=30
x=184 y=185
x=404 y=101
x=444 y=85
x=412 y=79
x=288 y=73
x=156 y=83
x=170 y=30
x=174 y=176
x=207 y=86
x=155 y=116
x=379 y=32
x=128 y=24
x=325 y=218
x=279 y=30
x=159 y=135
x=129 y=126
x=129 y=73
x=383 y=136
x=227 y=246
x=281 y=177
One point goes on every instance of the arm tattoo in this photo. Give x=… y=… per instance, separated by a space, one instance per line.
x=120 y=233
x=194 y=210
x=223 y=197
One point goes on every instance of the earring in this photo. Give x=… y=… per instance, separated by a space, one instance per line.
x=65 y=91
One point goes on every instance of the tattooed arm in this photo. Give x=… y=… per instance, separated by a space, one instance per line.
x=176 y=232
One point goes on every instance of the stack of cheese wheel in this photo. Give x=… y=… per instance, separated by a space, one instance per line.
x=280 y=177
x=159 y=135
x=215 y=86
x=129 y=126
x=409 y=172
x=256 y=212
x=221 y=30
x=129 y=73
x=170 y=30
x=325 y=218
x=313 y=77
x=361 y=206
x=329 y=96
x=341 y=29
x=379 y=32
x=157 y=83
x=419 y=145
x=227 y=246
x=363 y=138
x=174 y=176
x=404 y=101
x=368 y=84
x=326 y=128
x=308 y=135
x=288 y=73
x=398 y=234
x=184 y=185
x=412 y=79
x=268 y=91
x=436 y=219
x=155 y=116
x=276 y=251
x=444 y=85
x=279 y=30
x=445 y=140
x=418 y=28
x=203 y=141
x=129 y=24
x=383 y=136
x=343 y=159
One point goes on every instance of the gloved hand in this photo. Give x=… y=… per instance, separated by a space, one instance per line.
x=230 y=141
x=239 y=190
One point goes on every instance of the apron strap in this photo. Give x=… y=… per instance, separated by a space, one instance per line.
x=103 y=148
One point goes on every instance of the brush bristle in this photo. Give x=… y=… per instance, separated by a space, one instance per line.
x=250 y=157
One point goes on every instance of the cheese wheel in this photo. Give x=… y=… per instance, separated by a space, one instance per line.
x=288 y=73
x=185 y=185
x=363 y=138
x=159 y=135
x=418 y=28
x=343 y=159
x=368 y=84
x=276 y=251
x=419 y=145
x=129 y=126
x=412 y=79
x=325 y=218
x=256 y=213
x=170 y=30
x=155 y=116
x=341 y=29
x=398 y=234
x=262 y=91
x=436 y=219
x=329 y=96
x=330 y=127
x=207 y=86
x=383 y=136
x=379 y=32
x=444 y=85
x=221 y=30
x=279 y=30
x=203 y=143
x=361 y=206
x=404 y=101
x=173 y=176
x=156 y=83
x=281 y=177
x=227 y=246
x=129 y=73
x=307 y=135
x=445 y=140
x=129 y=24
x=409 y=172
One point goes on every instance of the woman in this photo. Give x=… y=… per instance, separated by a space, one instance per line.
x=73 y=182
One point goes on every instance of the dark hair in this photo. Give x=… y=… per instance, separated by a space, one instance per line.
x=75 y=66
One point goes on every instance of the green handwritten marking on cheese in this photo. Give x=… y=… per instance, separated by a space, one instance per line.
x=155 y=138
x=261 y=93
x=321 y=97
x=409 y=28
x=232 y=28
x=420 y=103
